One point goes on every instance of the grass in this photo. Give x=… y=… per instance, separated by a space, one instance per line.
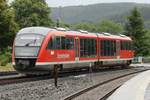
x=6 y=68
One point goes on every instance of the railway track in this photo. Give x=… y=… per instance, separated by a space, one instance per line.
x=8 y=73
x=21 y=79
x=14 y=77
x=69 y=82
x=79 y=93
x=109 y=93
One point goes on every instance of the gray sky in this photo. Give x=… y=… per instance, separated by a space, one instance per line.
x=56 y=3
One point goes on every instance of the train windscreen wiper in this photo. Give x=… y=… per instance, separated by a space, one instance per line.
x=32 y=41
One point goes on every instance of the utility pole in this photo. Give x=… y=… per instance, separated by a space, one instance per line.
x=55 y=74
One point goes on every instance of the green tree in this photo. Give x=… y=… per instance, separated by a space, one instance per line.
x=135 y=29
x=8 y=27
x=61 y=24
x=85 y=26
x=32 y=13
x=109 y=26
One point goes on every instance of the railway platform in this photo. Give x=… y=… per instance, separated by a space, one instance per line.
x=137 y=88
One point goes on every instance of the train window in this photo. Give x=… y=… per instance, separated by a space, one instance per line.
x=126 y=45
x=81 y=47
x=130 y=45
x=108 y=48
x=61 y=43
x=65 y=43
x=114 y=47
x=50 y=44
x=69 y=42
x=58 y=43
x=87 y=47
x=121 y=46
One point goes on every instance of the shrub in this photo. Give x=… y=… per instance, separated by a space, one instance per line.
x=5 y=57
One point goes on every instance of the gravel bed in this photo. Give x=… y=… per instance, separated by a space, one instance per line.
x=101 y=91
x=45 y=89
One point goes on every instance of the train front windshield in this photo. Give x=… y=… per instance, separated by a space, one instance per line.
x=28 y=45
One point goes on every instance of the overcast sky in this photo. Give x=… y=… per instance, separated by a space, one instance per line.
x=56 y=3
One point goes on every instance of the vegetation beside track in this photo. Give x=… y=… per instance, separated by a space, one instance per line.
x=5 y=57
x=5 y=61
x=6 y=68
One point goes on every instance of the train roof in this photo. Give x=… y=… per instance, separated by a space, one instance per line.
x=90 y=34
x=36 y=30
x=100 y=35
x=62 y=31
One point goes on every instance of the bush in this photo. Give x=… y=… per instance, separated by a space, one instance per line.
x=5 y=57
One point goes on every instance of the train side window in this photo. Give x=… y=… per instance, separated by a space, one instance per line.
x=69 y=43
x=111 y=48
x=129 y=45
x=121 y=45
x=105 y=48
x=108 y=48
x=126 y=45
x=87 y=47
x=101 y=47
x=58 y=42
x=115 y=49
x=61 y=43
x=64 y=43
x=91 y=47
x=50 y=44
x=81 y=47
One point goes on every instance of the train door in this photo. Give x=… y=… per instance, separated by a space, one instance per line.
x=118 y=49
x=76 y=49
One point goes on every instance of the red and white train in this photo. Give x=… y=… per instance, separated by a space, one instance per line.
x=39 y=49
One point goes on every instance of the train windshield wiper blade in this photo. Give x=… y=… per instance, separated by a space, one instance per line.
x=32 y=41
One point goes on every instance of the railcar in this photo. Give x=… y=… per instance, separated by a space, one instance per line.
x=38 y=49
